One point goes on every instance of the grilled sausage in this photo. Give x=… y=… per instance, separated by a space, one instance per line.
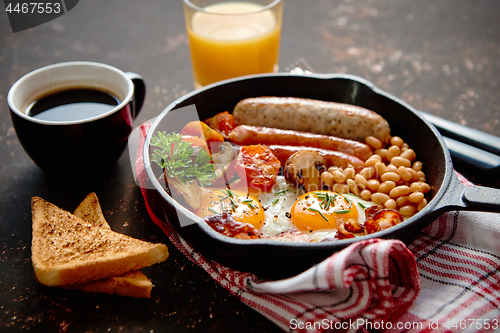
x=308 y=115
x=249 y=135
x=332 y=158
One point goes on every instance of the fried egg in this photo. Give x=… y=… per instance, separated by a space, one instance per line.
x=289 y=208
x=322 y=210
x=319 y=213
x=285 y=208
x=243 y=207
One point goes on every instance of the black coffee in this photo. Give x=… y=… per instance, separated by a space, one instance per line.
x=72 y=104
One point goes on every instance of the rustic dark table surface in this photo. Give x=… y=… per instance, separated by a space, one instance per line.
x=441 y=57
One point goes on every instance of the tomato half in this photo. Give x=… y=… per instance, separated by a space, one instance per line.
x=258 y=165
x=222 y=122
x=202 y=130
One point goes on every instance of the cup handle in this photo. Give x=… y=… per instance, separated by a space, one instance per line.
x=139 y=92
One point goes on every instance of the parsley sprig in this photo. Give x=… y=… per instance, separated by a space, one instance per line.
x=174 y=156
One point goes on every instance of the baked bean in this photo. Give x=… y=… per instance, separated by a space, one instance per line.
x=390 y=204
x=387 y=186
x=414 y=175
x=373 y=185
x=425 y=188
x=361 y=181
x=340 y=188
x=367 y=172
x=417 y=166
x=420 y=186
x=332 y=169
x=404 y=173
x=380 y=168
x=338 y=176
x=400 y=161
x=392 y=176
x=409 y=154
x=416 y=186
x=373 y=142
x=397 y=141
x=379 y=198
x=327 y=178
x=408 y=210
x=349 y=173
x=391 y=168
x=403 y=200
x=399 y=191
x=371 y=161
x=421 y=176
x=392 y=152
x=381 y=152
x=353 y=187
x=365 y=195
x=416 y=197
x=422 y=204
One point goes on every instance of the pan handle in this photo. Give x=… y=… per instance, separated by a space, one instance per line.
x=482 y=198
x=459 y=196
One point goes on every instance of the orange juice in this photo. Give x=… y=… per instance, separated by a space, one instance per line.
x=227 y=40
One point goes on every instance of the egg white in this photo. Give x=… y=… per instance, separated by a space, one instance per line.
x=277 y=204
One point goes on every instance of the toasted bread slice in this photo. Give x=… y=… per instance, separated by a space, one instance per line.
x=90 y=210
x=132 y=284
x=67 y=250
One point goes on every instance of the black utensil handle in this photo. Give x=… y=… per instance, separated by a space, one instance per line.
x=465 y=134
x=476 y=157
x=484 y=198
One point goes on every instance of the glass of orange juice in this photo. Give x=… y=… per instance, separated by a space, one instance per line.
x=232 y=38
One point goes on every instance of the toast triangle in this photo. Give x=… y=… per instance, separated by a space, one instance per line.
x=131 y=284
x=90 y=210
x=68 y=250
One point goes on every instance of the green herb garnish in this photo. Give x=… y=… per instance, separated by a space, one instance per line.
x=343 y=211
x=233 y=204
x=317 y=211
x=229 y=193
x=213 y=210
x=174 y=156
x=224 y=198
x=327 y=199
x=281 y=192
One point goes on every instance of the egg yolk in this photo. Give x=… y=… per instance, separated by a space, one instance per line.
x=322 y=210
x=242 y=207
